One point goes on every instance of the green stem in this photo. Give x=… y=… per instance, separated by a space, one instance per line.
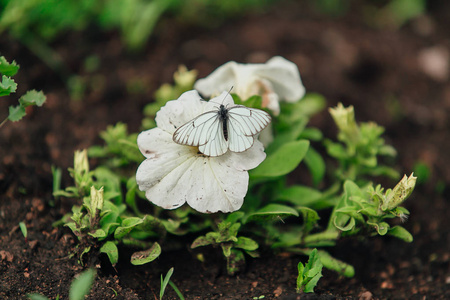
x=327 y=235
x=3 y=123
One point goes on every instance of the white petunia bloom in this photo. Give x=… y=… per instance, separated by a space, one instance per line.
x=174 y=174
x=276 y=80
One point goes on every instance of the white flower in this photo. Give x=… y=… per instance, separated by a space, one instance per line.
x=174 y=174
x=277 y=79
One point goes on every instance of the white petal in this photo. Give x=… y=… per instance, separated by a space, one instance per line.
x=178 y=112
x=285 y=78
x=247 y=160
x=223 y=188
x=222 y=79
x=163 y=155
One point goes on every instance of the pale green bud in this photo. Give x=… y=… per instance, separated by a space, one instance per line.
x=80 y=162
x=344 y=117
x=399 y=193
x=96 y=199
x=185 y=78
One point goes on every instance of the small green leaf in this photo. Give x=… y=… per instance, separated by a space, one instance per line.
x=310 y=218
x=32 y=97
x=271 y=212
x=246 y=244
x=316 y=165
x=110 y=249
x=381 y=227
x=226 y=248
x=301 y=269
x=310 y=273
x=146 y=256
x=401 y=233
x=344 y=222
x=7 y=86
x=284 y=160
x=127 y=225
x=16 y=113
x=165 y=282
x=300 y=195
x=203 y=241
x=81 y=286
x=8 y=69
x=23 y=228
x=99 y=233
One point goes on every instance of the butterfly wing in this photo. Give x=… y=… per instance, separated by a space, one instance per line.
x=243 y=124
x=205 y=132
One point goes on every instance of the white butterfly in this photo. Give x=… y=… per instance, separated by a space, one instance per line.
x=216 y=131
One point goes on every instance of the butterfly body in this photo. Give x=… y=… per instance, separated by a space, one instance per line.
x=217 y=131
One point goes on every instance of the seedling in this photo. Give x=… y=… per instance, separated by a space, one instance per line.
x=165 y=281
x=9 y=86
x=309 y=274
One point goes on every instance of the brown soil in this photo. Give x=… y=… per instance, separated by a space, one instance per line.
x=379 y=71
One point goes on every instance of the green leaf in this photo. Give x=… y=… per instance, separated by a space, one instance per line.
x=7 y=86
x=8 y=69
x=310 y=273
x=315 y=164
x=203 y=241
x=99 y=233
x=110 y=249
x=81 y=286
x=310 y=218
x=32 y=97
x=127 y=225
x=271 y=212
x=300 y=277
x=401 y=233
x=381 y=227
x=146 y=256
x=300 y=195
x=16 y=113
x=246 y=244
x=284 y=160
x=165 y=282
x=226 y=248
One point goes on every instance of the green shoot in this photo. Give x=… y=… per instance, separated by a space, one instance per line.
x=23 y=228
x=8 y=86
x=309 y=274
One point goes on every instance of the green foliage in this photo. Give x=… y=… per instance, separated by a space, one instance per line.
x=233 y=247
x=277 y=212
x=9 y=86
x=81 y=286
x=165 y=281
x=135 y=19
x=120 y=149
x=359 y=147
x=309 y=274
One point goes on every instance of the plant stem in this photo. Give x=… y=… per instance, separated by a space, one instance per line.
x=327 y=235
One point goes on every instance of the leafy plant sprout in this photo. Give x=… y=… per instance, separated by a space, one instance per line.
x=9 y=86
x=235 y=201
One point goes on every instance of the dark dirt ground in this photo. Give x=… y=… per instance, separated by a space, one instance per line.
x=384 y=73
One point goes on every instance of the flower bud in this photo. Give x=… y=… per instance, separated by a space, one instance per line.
x=96 y=199
x=344 y=117
x=400 y=193
x=185 y=78
x=80 y=162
